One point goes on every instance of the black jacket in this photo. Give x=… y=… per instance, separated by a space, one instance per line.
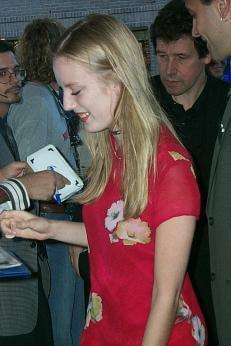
x=197 y=127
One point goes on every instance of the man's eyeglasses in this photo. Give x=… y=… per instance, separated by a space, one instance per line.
x=17 y=72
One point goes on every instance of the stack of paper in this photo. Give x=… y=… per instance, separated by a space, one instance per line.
x=11 y=266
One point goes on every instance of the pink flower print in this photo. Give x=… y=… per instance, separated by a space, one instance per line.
x=65 y=135
x=177 y=156
x=114 y=215
x=198 y=331
x=133 y=231
x=113 y=238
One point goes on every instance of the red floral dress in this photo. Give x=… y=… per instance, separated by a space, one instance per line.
x=122 y=255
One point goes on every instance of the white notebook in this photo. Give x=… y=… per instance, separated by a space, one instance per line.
x=49 y=158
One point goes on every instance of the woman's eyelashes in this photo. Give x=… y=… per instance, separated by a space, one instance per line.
x=76 y=92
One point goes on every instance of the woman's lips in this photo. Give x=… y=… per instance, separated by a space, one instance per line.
x=83 y=116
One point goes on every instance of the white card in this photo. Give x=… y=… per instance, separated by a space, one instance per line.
x=49 y=158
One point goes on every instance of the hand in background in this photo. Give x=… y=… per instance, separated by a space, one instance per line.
x=74 y=252
x=42 y=185
x=13 y=170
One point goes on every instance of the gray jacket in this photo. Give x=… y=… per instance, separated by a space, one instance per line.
x=36 y=122
x=219 y=220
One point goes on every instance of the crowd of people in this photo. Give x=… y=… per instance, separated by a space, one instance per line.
x=154 y=156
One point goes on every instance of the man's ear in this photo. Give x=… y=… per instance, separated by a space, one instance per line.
x=224 y=7
x=208 y=58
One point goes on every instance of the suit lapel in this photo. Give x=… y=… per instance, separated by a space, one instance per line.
x=223 y=127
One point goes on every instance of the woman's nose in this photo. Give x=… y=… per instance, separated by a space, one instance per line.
x=68 y=103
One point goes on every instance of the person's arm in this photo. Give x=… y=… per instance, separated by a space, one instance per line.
x=25 y=225
x=42 y=185
x=172 y=249
x=16 y=193
x=13 y=195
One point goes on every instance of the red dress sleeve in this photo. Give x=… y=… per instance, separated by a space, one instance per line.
x=176 y=188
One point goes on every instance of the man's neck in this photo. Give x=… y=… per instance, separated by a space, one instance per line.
x=188 y=99
x=4 y=107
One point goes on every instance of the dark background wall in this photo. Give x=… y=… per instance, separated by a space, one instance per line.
x=137 y=14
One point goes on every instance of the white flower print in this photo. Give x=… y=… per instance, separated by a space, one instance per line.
x=183 y=311
x=198 y=331
x=114 y=215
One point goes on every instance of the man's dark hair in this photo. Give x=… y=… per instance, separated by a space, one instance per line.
x=172 y=23
x=6 y=47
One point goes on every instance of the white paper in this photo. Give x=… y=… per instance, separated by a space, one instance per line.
x=50 y=158
x=7 y=260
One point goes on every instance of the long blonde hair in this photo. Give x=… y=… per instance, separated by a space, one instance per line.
x=113 y=52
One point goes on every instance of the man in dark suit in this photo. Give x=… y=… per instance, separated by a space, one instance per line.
x=212 y=22
x=194 y=103
x=24 y=311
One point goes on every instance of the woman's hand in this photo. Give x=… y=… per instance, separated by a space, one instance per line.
x=13 y=170
x=25 y=225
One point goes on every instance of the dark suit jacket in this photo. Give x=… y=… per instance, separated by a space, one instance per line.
x=19 y=298
x=219 y=220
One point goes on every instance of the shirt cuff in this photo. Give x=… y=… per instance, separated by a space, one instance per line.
x=17 y=194
x=5 y=206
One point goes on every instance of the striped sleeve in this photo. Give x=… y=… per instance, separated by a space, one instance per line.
x=18 y=198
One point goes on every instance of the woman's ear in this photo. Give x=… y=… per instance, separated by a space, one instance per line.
x=117 y=87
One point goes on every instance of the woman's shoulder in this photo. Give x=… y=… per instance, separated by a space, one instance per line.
x=170 y=151
x=169 y=144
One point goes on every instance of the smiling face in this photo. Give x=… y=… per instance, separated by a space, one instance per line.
x=212 y=23
x=180 y=67
x=89 y=96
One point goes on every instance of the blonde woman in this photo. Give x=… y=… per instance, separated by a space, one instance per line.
x=141 y=201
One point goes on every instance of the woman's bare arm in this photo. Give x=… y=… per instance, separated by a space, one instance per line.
x=172 y=249
x=26 y=225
